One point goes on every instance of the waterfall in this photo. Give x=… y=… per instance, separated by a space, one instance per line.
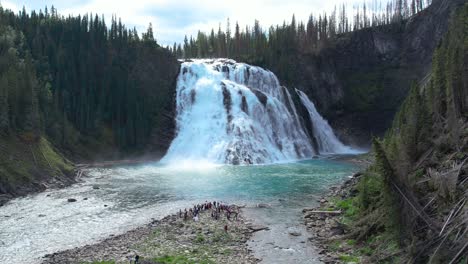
x=235 y=113
x=326 y=139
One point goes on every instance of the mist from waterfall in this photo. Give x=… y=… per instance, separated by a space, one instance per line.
x=234 y=113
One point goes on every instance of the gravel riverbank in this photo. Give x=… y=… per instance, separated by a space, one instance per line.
x=171 y=239
x=323 y=223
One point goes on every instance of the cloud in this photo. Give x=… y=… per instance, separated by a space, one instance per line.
x=9 y=5
x=174 y=19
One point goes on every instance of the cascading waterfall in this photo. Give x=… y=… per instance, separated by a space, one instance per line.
x=234 y=113
x=326 y=139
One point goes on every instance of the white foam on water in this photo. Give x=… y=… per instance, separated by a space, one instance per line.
x=235 y=113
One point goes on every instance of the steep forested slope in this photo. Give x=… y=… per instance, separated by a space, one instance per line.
x=414 y=196
x=73 y=86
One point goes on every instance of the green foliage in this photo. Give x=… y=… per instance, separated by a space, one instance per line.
x=255 y=44
x=382 y=163
x=23 y=163
x=19 y=108
x=279 y=47
x=348 y=206
x=100 y=262
x=56 y=162
x=370 y=187
x=173 y=260
x=180 y=259
x=74 y=74
x=86 y=88
x=431 y=120
x=221 y=236
x=348 y=258
x=366 y=90
x=432 y=106
x=200 y=238
x=446 y=102
x=366 y=251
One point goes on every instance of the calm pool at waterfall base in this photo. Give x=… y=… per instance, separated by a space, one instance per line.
x=115 y=200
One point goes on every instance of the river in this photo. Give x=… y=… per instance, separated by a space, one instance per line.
x=115 y=200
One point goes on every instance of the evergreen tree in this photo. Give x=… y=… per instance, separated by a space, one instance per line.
x=4 y=108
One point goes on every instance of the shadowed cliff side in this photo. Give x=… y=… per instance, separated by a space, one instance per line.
x=359 y=81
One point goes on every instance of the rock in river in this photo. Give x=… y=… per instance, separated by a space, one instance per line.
x=294 y=233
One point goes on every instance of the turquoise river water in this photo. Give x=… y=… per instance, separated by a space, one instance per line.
x=122 y=198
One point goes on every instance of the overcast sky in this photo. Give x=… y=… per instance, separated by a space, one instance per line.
x=173 y=19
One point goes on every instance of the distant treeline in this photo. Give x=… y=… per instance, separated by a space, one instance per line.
x=259 y=44
x=73 y=77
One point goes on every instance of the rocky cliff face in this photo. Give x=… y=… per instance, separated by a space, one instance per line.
x=360 y=80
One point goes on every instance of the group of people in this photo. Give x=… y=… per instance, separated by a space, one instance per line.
x=217 y=209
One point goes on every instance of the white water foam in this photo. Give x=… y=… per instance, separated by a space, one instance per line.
x=235 y=113
x=326 y=139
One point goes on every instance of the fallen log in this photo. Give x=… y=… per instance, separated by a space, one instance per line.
x=312 y=213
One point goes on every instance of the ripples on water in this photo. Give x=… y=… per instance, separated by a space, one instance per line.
x=112 y=201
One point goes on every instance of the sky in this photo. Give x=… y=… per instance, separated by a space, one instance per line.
x=172 y=20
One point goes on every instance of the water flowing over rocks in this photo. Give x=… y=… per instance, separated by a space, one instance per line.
x=234 y=113
x=324 y=136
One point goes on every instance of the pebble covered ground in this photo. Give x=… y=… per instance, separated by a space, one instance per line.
x=324 y=224
x=171 y=240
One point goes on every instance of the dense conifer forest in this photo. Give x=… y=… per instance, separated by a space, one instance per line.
x=66 y=76
x=277 y=47
x=75 y=86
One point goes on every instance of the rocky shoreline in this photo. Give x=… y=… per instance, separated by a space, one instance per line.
x=205 y=241
x=171 y=239
x=324 y=224
x=61 y=181
x=54 y=182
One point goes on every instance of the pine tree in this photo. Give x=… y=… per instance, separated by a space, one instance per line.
x=4 y=108
x=148 y=36
x=186 y=48
x=237 y=38
x=228 y=39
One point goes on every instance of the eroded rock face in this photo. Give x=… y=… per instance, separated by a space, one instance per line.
x=360 y=81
